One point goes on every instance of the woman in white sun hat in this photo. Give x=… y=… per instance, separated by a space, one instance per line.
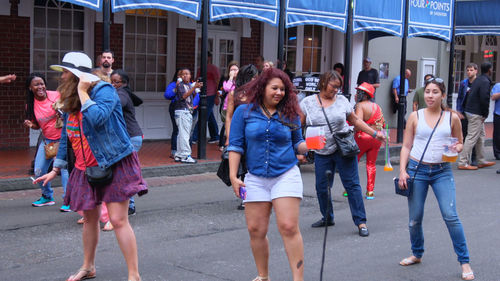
x=94 y=124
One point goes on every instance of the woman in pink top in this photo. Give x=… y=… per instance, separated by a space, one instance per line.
x=40 y=114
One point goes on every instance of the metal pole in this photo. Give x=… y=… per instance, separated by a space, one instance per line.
x=347 y=51
x=451 y=72
x=202 y=117
x=106 y=23
x=281 y=34
x=402 y=79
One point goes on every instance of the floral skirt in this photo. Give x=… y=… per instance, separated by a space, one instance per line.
x=127 y=181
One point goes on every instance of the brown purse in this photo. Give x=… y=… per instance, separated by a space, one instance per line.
x=51 y=149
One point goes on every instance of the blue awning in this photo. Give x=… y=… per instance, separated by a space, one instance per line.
x=478 y=18
x=261 y=10
x=386 y=16
x=430 y=18
x=91 y=4
x=189 y=8
x=332 y=14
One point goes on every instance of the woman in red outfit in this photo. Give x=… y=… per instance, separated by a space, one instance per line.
x=371 y=113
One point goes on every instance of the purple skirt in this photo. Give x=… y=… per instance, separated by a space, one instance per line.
x=127 y=181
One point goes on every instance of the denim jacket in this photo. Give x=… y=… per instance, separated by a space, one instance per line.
x=103 y=126
x=268 y=145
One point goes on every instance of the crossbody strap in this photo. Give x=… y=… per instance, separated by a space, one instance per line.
x=427 y=144
x=324 y=113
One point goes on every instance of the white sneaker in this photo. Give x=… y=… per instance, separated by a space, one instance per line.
x=177 y=159
x=189 y=160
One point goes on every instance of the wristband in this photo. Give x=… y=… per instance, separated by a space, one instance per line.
x=375 y=134
x=56 y=170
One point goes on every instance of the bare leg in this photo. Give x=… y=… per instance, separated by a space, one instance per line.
x=287 y=216
x=118 y=214
x=90 y=237
x=257 y=216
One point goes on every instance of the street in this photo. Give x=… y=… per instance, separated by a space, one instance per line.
x=189 y=229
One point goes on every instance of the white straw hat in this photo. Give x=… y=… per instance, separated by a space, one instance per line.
x=77 y=63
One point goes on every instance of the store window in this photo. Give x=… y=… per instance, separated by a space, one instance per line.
x=145 y=58
x=489 y=48
x=459 y=69
x=58 y=28
x=291 y=48
x=311 y=61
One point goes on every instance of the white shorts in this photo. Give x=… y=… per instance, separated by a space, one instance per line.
x=260 y=189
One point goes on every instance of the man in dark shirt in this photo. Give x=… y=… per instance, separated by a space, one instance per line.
x=368 y=74
x=476 y=111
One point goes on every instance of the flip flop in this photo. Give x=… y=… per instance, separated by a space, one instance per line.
x=409 y=261
x=468 y=276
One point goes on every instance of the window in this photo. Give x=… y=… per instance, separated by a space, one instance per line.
x=489 y=53
x=291 y=48
x=226 y=54
x=146 y=49
x=459 y=69
x=57 y=29
x=311 y=61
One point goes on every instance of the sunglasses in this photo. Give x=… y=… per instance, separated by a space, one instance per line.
x=437 y=80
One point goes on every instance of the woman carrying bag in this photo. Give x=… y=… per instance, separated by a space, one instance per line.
x=106 y=168
x=331 y=111
x=426 y=167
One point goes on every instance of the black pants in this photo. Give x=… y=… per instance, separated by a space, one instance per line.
x=496 y=136
x=465 y=124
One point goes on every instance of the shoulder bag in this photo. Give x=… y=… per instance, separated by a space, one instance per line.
x=97 y=177
x=409 y=182
x=345 y=140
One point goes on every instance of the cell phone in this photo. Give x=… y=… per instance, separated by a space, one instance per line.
x=200 y=79
x=243 y=193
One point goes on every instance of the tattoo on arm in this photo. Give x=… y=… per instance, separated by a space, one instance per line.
x=299 y=264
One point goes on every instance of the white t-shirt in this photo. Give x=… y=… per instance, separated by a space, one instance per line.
x=337 y=114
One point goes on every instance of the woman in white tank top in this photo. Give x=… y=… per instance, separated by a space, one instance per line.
x=432 y=171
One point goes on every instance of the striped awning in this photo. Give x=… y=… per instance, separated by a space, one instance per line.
x=478 y=18
x=332 y=14
x=261 y=10
x=386 y=16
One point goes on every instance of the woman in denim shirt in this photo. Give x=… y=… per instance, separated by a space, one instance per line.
x=432 y=171
x=94 y=125
x=267 y=131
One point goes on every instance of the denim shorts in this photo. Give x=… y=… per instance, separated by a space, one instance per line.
x=260 y=189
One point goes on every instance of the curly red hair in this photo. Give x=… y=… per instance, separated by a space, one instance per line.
x=253 y=93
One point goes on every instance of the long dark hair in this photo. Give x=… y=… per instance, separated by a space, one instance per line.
x=254 y=92
x=30 y=96
x=245 y=74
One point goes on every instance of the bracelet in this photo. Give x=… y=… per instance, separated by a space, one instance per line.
x=56 y=170
x=375 y=134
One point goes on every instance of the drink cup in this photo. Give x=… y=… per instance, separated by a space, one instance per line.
x=315 y=137
x=450 y=154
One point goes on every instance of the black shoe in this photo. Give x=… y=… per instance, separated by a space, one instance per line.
x=322 y=223
x=131 y=211
x=363 y=231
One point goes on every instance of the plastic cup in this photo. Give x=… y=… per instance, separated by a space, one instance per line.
x=450 y=154
x=315 y=137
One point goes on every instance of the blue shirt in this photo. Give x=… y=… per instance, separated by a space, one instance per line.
x=396 y=82
x=496 y=90
x=170 y=95
x=268 y=145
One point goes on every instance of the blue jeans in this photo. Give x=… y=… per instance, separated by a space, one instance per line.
x=348 y=171
x=137 y=144
x=212 y=124
x=41 y=168
x=440 y=178
x=175 y=129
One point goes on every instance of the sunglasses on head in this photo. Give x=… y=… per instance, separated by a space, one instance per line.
x=437 y=80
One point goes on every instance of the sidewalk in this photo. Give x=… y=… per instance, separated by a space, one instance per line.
x=155 y=161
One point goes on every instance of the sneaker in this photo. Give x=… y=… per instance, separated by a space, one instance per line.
x=370 y=195
x=189 y=160
x=214 y=140
x=131 y=211
x=43 y=201
x=65 y=208
x=177 y=159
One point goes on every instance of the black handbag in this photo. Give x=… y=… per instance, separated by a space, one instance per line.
x=409 y=182
x=345 y=140
x=96 y=176
x=223 y=170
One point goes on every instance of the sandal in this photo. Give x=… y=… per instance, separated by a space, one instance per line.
x=410 y=261
x=89 y=274
x=260 y=278
x=468 y=275
x=80 y=221
x=107 y=227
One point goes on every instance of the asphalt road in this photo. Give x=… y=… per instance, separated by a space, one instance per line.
x=189 y=229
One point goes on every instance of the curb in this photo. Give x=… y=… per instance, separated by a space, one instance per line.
x=183 y=170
